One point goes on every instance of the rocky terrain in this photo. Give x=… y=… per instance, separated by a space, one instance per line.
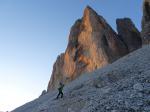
x=93 y=44
x=123 y=86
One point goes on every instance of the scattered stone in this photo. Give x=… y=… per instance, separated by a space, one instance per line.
x=140 y=103
x=105 y=90
x=114 y=111
x=70 y=110
x=138 y=87
x=132 y=98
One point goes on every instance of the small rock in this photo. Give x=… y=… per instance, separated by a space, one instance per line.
x=132 y=95
x=70 y=110
x=140 y=103
x=106 y=90
x=138 y=87
x=43 y=93
x=147 y=81
x=127 y=104
x=114 y=111
x=147 y=109
x=119 y=101
x=108 y=107
x=140 y=95
x=98 y=86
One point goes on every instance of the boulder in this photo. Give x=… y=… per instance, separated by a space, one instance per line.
x=44 y=92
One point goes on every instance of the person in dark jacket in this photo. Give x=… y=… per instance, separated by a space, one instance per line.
x=60 y=90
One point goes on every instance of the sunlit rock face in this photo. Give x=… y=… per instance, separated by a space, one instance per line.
x=129 y=34
x=146 y=22
x=92 y=44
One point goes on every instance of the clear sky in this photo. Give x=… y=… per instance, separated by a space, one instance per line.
x=34 y=32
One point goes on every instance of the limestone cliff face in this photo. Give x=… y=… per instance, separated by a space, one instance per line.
x=57 y=74
x=92 y=44
x=146 y=22
x=129 y=34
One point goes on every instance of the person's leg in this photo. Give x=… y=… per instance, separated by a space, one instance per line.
x=58 y=95
x=62 y=94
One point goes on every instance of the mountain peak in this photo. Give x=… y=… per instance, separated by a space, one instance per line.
x=90 y=19
x=92 y=44
x=88 y=10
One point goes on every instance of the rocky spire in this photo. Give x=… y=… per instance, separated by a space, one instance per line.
x=146 y=22
x=92 y=44
x=129 y=34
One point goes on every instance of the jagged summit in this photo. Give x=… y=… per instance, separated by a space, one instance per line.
x=129 y=34
x=88 y=8
x=91 y=19
x=92 y=44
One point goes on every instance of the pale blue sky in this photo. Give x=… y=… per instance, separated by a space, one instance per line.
x=34 y=32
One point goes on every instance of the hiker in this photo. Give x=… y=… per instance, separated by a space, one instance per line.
x=60 y=89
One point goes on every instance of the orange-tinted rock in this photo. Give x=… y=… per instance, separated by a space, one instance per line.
x=57 y=72
x=92 y=44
